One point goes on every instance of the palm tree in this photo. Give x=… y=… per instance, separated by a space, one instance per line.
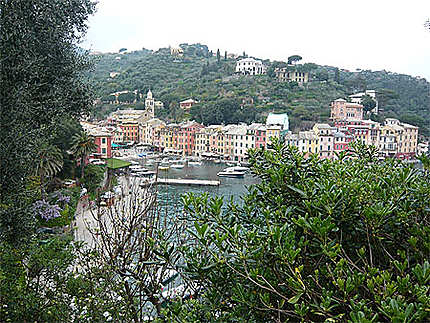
x=82 y=146
x=49 y=163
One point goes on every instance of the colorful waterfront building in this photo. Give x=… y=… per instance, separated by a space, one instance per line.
x=186 y=136
x=277 y=125
x=388 y=141
x=342 y=139
x=118 y=135
x=130 y=129
x=169 y=138
x=291 y=139
x=148 y=129
x=237 y=142
x=210 y=141
x=325 y=135
x=103 y=141
x=258 y=131
x=102 y=138
x=228 y=141
x=308 y=142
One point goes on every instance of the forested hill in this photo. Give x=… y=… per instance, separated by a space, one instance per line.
x=227 y=98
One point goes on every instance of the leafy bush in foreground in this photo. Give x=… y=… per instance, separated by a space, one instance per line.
x=345 y=240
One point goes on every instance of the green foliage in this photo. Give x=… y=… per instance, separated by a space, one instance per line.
x=40 y=79
x=93 y=177
x=49 y=163
x=293 y=59
x=82 y=146
x=42 y=265
x=41 y=84
x=126 y=97
x=368 y=103
x=344 y=240
x=322 y=75
x=62 y=137
x=224 y=111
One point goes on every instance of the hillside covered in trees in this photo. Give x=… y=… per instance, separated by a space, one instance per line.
x=228 y=98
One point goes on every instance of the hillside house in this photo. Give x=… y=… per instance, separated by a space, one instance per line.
x=343 y=110
x=287 y=75
x=250 y=66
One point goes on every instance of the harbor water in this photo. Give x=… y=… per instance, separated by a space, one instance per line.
x=170 y=195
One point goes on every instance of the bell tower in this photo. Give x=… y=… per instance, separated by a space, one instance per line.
x=150 y=104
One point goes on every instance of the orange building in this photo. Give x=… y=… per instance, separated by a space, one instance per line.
x=130 y=131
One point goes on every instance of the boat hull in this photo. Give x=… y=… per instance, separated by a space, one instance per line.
x=231 y=174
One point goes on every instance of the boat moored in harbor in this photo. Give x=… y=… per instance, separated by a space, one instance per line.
x=195 y=163
x=177 y=166
x=230 y=173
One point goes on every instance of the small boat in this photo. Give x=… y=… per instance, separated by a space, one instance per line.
x=148 y=173
x=195 y=163
x=177 y=166
x=217 y=161
x=230 y=164
x=231 y=173
x=163 y=168
x=237 y=169
x=137 y=168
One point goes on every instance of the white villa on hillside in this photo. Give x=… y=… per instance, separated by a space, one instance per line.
x=250 y=66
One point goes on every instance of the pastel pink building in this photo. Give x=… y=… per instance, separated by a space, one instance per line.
x=342 y=110
x=258 y=130
x=186 y=137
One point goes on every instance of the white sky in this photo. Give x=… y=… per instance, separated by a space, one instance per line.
x=366 y=34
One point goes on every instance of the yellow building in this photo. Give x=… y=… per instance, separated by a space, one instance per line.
x=273 y=132
x=406 y=137
x=308 y=142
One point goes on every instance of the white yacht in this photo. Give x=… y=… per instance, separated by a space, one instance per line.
x=177 y=166
x=231 y=172
x=195 y=163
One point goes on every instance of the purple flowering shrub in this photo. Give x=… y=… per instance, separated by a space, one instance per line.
x=46 y=210
x=51 y=208
x=61 y=198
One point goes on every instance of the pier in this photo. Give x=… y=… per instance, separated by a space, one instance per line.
x=183 y=182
